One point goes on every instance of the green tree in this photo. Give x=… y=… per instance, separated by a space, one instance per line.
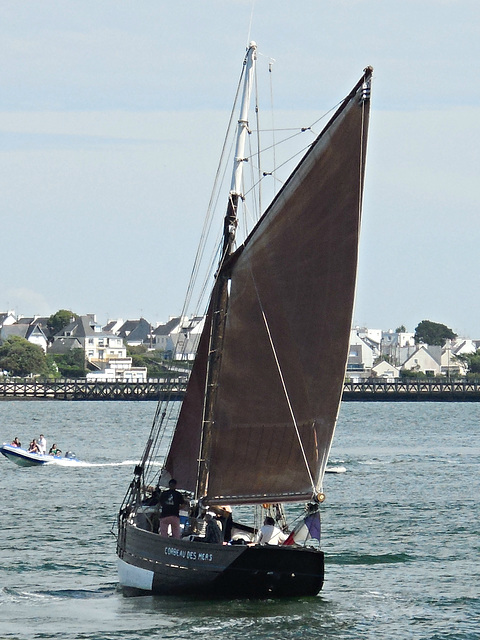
x=471 y=360
x=411 y=373
x=59 y=320
x=71 y=364
x=22 y=358
x=400 y=329
x=433 y=333
x=153 y=360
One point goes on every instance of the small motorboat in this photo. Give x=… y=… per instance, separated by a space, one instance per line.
x=25 y=458
x=336 y=469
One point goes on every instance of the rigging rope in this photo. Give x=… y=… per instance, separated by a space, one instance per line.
x=270 y=67
x=284 y=386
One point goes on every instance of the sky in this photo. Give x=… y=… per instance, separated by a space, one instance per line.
x=112 y=118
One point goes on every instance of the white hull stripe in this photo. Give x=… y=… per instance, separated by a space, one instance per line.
x=130 y=576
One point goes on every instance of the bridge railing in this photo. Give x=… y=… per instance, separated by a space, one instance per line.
x=364 y=390
x=82 y=389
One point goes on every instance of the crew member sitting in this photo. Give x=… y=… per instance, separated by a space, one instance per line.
x=270 y=533
x=33 y=448
x=213 y=533
x=54 y=450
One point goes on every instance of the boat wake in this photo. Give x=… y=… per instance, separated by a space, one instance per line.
x=17 y=595
x=79 y=463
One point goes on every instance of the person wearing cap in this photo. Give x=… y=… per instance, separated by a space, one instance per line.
x=170 y=501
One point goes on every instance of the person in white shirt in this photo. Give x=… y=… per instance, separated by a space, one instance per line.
x=42 y=444
x=270 y=533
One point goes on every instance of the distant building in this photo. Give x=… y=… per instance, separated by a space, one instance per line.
x=31 y=332
x=451 y=365
x=162 y=336
x=113 y=326
x=85 y=333
x=7 y=318
x=426 y=359
x=136 y=332
x=179 y=337
x=119 y=370
x=360 y=356
x=385 y=370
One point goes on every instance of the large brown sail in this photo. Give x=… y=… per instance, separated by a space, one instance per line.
x=287 y=327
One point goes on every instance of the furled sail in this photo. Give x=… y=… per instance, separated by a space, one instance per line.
x=287 y=329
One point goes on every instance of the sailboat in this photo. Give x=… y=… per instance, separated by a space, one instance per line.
x=255 y=428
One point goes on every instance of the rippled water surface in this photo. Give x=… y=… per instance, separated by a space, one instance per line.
x=400 y=532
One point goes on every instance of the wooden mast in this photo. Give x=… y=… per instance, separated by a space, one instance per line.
x=219 y=300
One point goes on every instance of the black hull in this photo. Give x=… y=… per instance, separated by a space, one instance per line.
x=149 y=563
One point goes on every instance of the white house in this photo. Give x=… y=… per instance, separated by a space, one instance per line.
x=188 y=337
x=360 y=356
x=179 y=336
x=461 y=346
x=7 y=318
x=385 y=370
x=397 y=346
x=84 y=332
x=119 y=370
x=113 y=326
x=371 y=337
x=31 y=332
x=453 y=348
x=425 y=359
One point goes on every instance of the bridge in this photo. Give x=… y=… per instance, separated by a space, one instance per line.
x=412 y=390
x=154 y=390
x=82 y=389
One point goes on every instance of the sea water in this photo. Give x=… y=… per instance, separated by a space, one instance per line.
x=400 y=532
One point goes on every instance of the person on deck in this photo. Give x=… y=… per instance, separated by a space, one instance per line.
x=170 y=501
x=42 y=444
x=270 y=533
x=16 y=442
x=213 y=532
x=224 y=516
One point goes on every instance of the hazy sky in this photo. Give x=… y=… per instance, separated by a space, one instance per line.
x=112 y=117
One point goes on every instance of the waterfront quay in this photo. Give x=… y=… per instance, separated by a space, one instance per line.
x=370 y=390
